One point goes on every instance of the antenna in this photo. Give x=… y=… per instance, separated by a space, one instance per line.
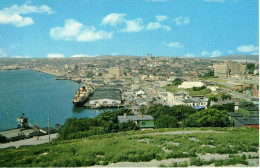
x=49 y=130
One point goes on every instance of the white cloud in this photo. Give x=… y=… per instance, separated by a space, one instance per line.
x=161 y=18
x=12 y=15
x=181 y=20
x=174 y=44
x=189 y=55
x=157 y=25
x=15 y=45
x=113 y=19
x=230 y=51
x=215 y=53
x=2 y=53
x=255 y=53
x=133 y=25
x=247 y=48
x=214 y=1
x=76 y=31
x=115 y=53
x=19 y=56
x=156 y=0
x=119 y=20
x=81 y=55
x=205 y=53
x=55 y=55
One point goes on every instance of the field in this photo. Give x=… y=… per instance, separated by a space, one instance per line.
x=180 y=147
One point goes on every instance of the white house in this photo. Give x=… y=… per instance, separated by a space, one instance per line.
x=195 y=102
x=212 y=88
x=186 y=85
x=175 y=98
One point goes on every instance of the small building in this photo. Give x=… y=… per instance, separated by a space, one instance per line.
x=244 y=121
x=142 y=121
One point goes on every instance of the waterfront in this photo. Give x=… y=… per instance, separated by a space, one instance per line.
x=38 y=95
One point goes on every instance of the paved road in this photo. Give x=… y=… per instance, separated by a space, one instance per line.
x=31 y=141
x=237 y=95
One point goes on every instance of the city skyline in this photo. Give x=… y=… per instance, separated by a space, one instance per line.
x=86 y=28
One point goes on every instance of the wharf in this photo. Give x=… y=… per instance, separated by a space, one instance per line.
x=87 y=105
x=16 y=132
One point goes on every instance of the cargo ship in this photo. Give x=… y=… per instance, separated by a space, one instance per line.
x=82 y=95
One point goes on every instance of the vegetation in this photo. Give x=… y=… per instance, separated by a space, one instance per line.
x=208 y=118
x=198 y=88
x=195 y=91
x=3 y=139
x=227 y=107
x=177 y=81
x=171 y=88
x=136 y=146
x=106 y=122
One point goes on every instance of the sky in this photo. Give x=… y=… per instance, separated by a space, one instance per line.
x=89 y=28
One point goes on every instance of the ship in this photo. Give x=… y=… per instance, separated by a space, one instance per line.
x=82 y=95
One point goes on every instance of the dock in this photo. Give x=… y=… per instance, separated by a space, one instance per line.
x=93 y=106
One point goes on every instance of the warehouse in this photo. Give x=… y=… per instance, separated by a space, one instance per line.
x=106 y=97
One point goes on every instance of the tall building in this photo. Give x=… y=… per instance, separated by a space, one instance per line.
x=229 y=68
x=149 y=57
x=117 y=72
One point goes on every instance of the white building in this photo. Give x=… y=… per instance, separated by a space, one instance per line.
x=187 y=85
x=175 y=98
x=195 y=102
x=106 y=97
x=212 y=88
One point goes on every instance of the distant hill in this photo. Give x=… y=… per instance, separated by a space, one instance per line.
x=238 y=57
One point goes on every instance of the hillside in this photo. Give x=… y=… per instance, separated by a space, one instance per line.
x=238 y=57
x=159 y=147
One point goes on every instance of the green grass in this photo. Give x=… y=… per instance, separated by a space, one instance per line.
x=131 y=146
x=171 y=88
x=200 y=92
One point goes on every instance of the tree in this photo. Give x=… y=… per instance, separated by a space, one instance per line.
x=177 y=82
x=225 y=96
x=166 y=121
x=127 y=126
x=228 y=107
x=208 y=118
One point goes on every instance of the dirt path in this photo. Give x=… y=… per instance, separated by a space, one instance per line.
x=182 y=132
x=31 y=141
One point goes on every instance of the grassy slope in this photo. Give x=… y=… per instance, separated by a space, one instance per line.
x=128 y=146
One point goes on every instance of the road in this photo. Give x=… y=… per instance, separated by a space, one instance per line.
x=237 y=95
x=31 y=141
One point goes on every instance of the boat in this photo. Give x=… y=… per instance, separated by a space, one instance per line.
x=82 y=95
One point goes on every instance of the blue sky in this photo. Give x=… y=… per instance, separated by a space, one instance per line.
x=83 y=28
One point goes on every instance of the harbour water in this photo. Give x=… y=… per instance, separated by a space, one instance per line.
x=38 y=95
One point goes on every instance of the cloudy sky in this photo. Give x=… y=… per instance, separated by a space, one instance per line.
x=80 y=28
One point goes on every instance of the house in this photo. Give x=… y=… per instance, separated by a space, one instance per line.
x=142 y=121
x=140 y=101
x=244 y=121
x=193 y=102
x=106 y=97
x=140 y=93
x=212 y=88
x=172 y=97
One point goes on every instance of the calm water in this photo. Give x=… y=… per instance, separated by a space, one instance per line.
x=38 y=95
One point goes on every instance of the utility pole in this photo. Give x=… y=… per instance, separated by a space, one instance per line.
x=49 y=130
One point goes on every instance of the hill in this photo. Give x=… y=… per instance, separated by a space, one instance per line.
x=159 y=147
x=238 y=57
